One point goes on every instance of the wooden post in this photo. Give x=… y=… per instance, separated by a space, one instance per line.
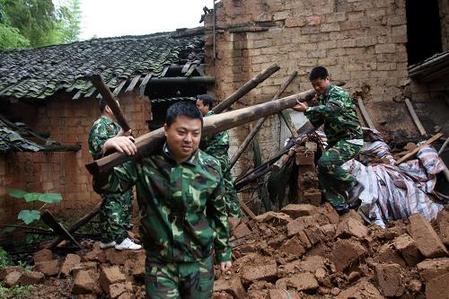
x=260 y=122
x=415 y=118
x=365 y=113
x=416 y=149
x=247 y=87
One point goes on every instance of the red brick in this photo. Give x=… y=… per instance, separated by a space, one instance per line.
x=346 y=252
x=427 y=240
x=437 y=287
x=389 y=278
x=431 y=268
x=71 y=261
x=351 y=227
x=267 y=271
x=298 y=210
x=293 y=247
x=407 y=247
x=232 y=286
x=110 y=275
x=85 y=282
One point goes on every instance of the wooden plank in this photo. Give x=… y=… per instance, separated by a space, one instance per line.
x=77 y=95
x=186 y=67
x=90 y=92
x=165 y=70
x=133 y=83
x=57 y=227
x=144 y=83
x=413 y=152
x=365 y=113
x=415 y=118
x=119 y=88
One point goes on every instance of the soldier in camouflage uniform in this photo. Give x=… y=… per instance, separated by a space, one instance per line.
x=116 y=209
x=183 y=215
x=336 y=111
x=217 y=146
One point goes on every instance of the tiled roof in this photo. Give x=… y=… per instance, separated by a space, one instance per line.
x=175 y=99
x=39 y=73
x=10 y=140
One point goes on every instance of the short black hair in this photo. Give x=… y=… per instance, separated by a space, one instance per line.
x=206 y=99
x=319 y=72
x=182 y=108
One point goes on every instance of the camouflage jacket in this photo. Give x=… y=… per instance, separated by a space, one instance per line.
x=182 y=211
x=102 y=129
x=337 y=112
x=216 y=145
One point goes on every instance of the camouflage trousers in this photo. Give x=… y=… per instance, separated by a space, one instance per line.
x=115 y=216
x=231 y=198
x=193 y=280
x=334 y=180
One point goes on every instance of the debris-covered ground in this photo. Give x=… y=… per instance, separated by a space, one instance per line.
x=303 y=251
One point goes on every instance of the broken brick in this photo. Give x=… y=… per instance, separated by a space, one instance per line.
x=330 y=213
x=443 y=226
x=407 y=247
x=120 y=288
x=70 y=262
x=389 y=278
x=303 y=281
x=299 y=210
x=266 y=272
x=387 y=254
x=351 y=227
x=43 y=255
x=241 y=230
x=345 y=252
x=293 y=247
x=314 y=234
x=85 y=282
x=437 y=287
x=49 y=268
x=427 y=240
x=31 y=278
x=5 y=271
x=362 y=289
x=283 y=294
x=431 y=268
x=12 y=279
x=110 y=275
x=232 y=286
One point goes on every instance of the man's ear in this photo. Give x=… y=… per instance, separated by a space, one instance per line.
x=165 y=129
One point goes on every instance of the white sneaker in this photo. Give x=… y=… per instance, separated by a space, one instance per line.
x=127 y=244
x=107 y=245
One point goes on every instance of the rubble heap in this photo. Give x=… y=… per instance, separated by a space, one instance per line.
x=303 y=251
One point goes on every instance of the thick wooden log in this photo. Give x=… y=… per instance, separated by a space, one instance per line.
x=152 y=142
x=247 y=87
x=111 y=100
x=260 y=122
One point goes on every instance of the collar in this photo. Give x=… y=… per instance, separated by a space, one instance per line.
x=192 y=160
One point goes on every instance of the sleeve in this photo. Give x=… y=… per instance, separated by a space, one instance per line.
x=119 y=180
x=97 y=137
x=216 y=211
x=317 y=114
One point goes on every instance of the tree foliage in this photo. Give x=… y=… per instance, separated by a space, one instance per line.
x=37 y=23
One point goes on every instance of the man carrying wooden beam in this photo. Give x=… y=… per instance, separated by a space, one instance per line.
x=217 y=146
x=336 y=111
x=183 y=215
x=116 y=210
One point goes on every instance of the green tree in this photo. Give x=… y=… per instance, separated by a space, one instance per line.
x=10 y=37
x=69 y=24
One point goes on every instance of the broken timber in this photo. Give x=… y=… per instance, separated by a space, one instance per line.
x=365 y=113
x=415 y=118
x=248 y=86
x=152 y=142
x=260 y=122
x=416 y=149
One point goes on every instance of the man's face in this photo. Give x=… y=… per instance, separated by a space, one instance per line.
x=320 y=85
x=183 y=137
x=203 y=108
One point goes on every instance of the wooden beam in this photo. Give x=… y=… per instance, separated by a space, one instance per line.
x=260 y=122
x=152 y=142
x=415 y=118
x=413 y=152
x=144 y=83
x=365 y=113
x=77 y=95
x=119 y=88
x=133 y=83
x=247 y=87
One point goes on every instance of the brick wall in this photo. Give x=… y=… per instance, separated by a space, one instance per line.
x=68 y=122
x=444 y=14
x=360 y=42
